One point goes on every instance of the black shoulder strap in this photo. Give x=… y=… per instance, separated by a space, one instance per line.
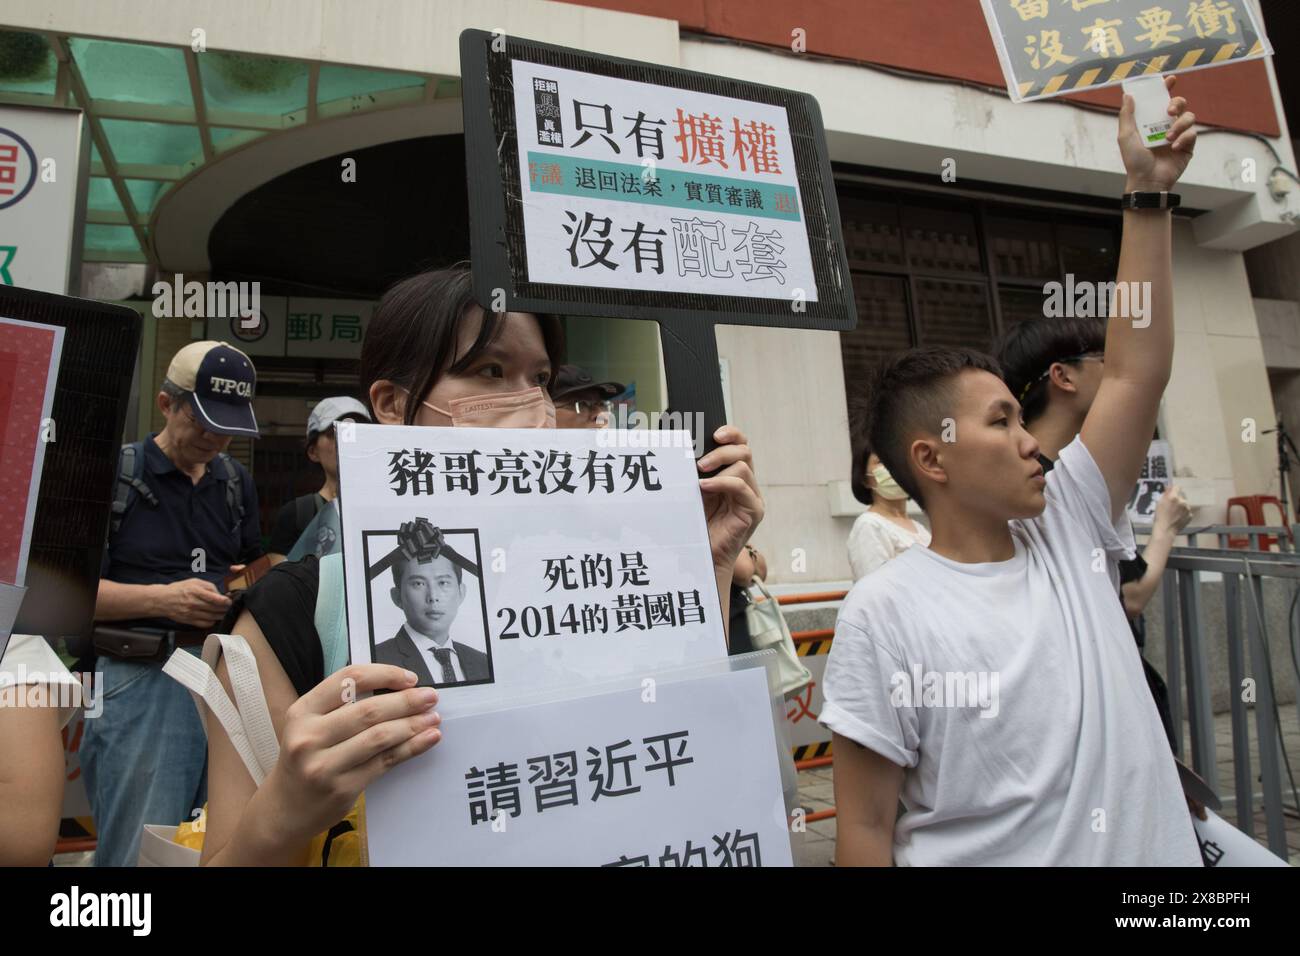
x=303 y=511
x=234 y=489
x=130 y=483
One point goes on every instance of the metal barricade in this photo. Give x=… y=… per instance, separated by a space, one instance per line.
x=1243 y=572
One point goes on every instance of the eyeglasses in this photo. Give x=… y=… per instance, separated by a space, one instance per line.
x=593 y=407
x=1081 y=357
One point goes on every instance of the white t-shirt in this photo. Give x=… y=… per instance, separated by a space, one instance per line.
x=875 y=540
x=1071 y=765
x=30 y=660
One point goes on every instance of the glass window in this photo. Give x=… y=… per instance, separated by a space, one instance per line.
x=259 y=85
x=340 y=82
x=133 y=72
x=1021 y=248
x=871 y=233
x=882 y=325
x=145 y=193
x=27 y=64
x=101 y=196
x=110 y=239
x=166 y=144
x=1089 y=251
x=224 y=138
x=1019 y=304
x=953 y=313
x=941 y=239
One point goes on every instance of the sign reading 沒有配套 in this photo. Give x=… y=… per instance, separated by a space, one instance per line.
x=615 y=188
x=630 y=185
x=1051 y=47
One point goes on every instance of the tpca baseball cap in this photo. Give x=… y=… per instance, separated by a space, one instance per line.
x=570 y=379
x=221 y=381
x=330 y=410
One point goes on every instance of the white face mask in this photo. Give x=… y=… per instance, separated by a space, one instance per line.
x=886 y=486
x=530 y=408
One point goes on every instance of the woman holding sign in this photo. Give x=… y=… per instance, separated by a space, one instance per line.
x=431 y=357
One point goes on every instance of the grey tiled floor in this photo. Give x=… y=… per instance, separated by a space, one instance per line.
x=816 y=847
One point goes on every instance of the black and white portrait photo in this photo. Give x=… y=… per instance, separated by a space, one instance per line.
x=426 y=605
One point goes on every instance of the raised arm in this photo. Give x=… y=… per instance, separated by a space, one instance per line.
x=1139 y=339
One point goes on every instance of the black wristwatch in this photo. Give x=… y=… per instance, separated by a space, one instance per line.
x=1165 y=200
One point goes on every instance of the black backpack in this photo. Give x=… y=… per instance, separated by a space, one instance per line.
x=131 y=485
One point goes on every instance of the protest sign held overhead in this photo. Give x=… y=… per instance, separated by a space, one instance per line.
x=1051 y=47
x=609 y=187
x=495 y=561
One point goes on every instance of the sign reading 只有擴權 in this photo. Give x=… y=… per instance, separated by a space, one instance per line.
x=1051 y=47
x=631 y=185
x=615 y=188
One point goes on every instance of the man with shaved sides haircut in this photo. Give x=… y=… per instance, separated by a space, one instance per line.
x=990 y=681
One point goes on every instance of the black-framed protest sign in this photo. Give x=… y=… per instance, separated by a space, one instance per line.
x=1052 y=47
x=609 y=187
x=82 y=436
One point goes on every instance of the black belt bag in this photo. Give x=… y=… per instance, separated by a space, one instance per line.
x=142 y=645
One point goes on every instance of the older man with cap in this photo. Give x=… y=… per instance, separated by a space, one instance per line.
x=581 y=401
x=294 y=517
x=184 y=518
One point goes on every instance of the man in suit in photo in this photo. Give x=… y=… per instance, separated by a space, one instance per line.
x=430 y=593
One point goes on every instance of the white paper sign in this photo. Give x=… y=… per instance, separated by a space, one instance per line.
x=495 y=562
x=1155 y=480
x=687 y=778
x=630 y=185
x=1222 y=844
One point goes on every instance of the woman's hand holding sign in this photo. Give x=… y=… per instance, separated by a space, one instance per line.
x=733 y=506
x=335 y=745
x=334 y=742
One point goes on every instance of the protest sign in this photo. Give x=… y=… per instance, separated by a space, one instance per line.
x=495 y=561
x=1156 y=478
x=609 y=187
x=1052 y=47
x=81 y=433
x=29 y=366
x=687 y=775
x=1224 y=845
